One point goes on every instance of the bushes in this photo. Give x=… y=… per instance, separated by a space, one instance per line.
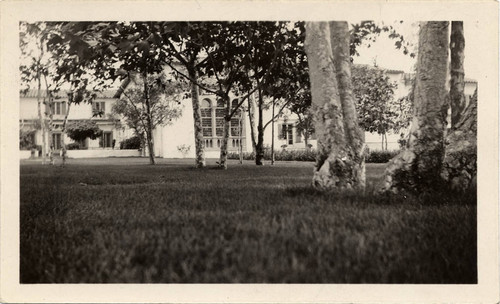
x=309 y=155
x=379 y=156
x=73 y=146
x=131 y=143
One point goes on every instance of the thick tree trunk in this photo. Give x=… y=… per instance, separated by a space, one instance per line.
x=418 y=168
x=149 y=131
x=457 y=84
x=259 y=149
x=198 y=130
x=251 y=119
x=340 y=158
x=460 y=161
x=225 y=134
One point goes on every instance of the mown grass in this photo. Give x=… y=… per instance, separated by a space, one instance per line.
x=122 y=221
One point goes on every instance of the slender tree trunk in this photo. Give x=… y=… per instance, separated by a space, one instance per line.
x=149 y=131
x=340 y=158
x=42 y=120
x=251 y=119
x=259 y=153
x=198 y=129
x=225 y=134
x=418 y=168
x=272 y=138
x=63 y=131
x=240 y=145
x=50 y=107
x=457 y=84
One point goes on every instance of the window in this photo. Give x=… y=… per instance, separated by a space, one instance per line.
x=212 y=122
x=56 y=141
x=60 y=108
x=106 y=140
x=287 y=133
x=206 y=118
x=99 y=107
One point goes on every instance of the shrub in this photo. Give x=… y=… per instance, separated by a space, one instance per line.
x=310 y=155
x=81 y=130
x=379 y=156
x=73 y=146
x=131 y=143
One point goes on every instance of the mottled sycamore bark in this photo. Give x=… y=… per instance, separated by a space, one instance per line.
x=340 y=158
x=418 y=168
x=251 y=119
x=225 y=134
x=149 y=129
x=460 y=160
x=198 y=130
x=457 y=84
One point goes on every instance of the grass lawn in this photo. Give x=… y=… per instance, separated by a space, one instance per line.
x=123 y=221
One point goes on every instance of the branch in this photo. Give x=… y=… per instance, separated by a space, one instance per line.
x=191 y=79
x=135 y=108
x=177 y=54
x=241 y=102
x=277 y=115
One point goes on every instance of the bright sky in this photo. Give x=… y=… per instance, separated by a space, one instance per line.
x=387 y=56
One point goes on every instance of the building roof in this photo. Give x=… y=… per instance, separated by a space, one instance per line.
x=33 y=93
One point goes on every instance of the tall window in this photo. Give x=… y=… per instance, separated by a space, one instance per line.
x=56 y=141
x=60 y=108
x=220 y=112
x=212 y=121
x=106 y=140
x=99 y=107
x=287 y=133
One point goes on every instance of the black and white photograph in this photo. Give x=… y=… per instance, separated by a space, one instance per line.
x=282 y=151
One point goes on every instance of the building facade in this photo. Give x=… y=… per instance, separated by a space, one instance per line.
x=176 y=140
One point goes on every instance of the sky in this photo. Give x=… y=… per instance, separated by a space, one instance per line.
x=387 y=56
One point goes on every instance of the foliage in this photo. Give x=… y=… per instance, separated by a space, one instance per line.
x=380 y=156
x=83 y=129
x=377 y=109
x=26 y=139
x=184 y=149
x=309 y=155
x=245 y=225
x=368 y=31
x=73 y=146
x=164 y=100
x=134 y=142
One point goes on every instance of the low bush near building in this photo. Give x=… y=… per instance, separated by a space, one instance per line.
x=380 y=156
x=309 y=155
x=73 y=146
x=131 y=143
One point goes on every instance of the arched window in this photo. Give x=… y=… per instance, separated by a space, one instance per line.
x=206 y=103
x=206 y=117
x=234 y=103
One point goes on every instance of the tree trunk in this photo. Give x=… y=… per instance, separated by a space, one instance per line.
x=340 y=158
x=225 y=134
x=63 y=130
x=149 y=131
x=418 y=168
x=457 y=84
x=251 y=119
x=198 y=130
x=460 y=161
x=272 y=138
x=42 y=120
x=259 y=148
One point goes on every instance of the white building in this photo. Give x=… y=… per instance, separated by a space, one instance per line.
x=171 y=139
